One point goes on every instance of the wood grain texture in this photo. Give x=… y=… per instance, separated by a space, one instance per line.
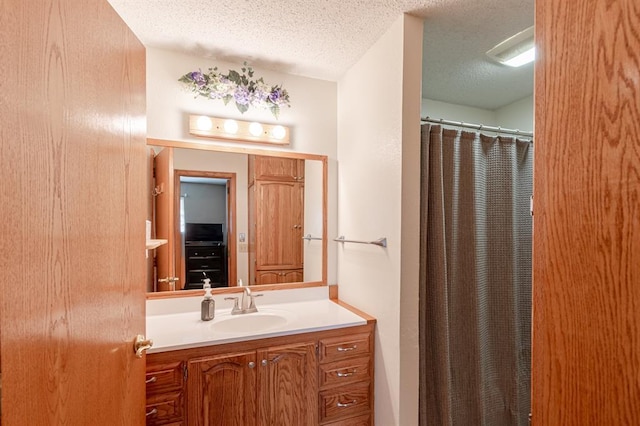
x=72 y=214
x=288 y=385
x=222 y=390
x=586 y=284
x=165 y=220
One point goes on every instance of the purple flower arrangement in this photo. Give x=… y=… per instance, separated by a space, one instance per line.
x=239 y=87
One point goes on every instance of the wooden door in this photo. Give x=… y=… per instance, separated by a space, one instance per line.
x=586 y=281
x=277 y=168
x=279 y=225
x=72 y=178
x=288 y=385
x=222 y=390
x=166 y=221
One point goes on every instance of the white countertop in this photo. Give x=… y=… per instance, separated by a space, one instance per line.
x=294 y=311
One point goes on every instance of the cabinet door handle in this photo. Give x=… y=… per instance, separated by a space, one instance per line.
x=346 y=404
x=153 y=412
x=264 y=362
x=252 y=364
x=152 y=379
x=347 y=374
x=350 y=348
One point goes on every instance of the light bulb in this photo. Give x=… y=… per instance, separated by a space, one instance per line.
x=231 y=126
x=204 y=123
x=255 y=129
x=278 y=132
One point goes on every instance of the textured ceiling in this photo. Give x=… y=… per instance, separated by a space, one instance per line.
x=324 y=38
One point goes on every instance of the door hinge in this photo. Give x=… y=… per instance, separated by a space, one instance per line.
x=185 y=372
x=531 y=205
x=530 y=417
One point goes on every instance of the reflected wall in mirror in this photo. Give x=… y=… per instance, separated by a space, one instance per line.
x=256 y=216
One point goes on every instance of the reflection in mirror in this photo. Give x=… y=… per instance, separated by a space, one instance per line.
x=232 y=216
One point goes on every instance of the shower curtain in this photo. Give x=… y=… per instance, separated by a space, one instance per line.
x=475 y=279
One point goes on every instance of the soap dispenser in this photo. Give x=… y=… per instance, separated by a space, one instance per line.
x=207 y=311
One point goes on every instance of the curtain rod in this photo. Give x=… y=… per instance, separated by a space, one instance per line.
x=478 y=127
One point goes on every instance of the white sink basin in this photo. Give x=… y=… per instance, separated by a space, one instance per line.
x=248 y=323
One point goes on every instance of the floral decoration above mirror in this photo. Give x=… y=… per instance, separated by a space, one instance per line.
x=239 y=87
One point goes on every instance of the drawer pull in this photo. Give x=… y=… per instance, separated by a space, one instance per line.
x=151 y=380
x=351 y=348
x=346 y=404
x=347 y=374
x=153 y=412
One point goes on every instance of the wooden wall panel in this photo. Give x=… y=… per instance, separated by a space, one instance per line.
x=586 y=284
x=72 y=179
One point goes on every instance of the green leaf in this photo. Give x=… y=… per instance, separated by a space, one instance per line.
x=226 y=99
x=242 y=108
x=275 y=110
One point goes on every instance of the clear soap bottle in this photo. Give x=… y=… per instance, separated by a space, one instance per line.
x=207 y=311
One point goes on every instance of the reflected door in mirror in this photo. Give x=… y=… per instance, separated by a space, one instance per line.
x=276 y=204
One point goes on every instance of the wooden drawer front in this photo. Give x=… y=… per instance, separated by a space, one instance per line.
x=343 y=372
x=164 y=377
x=337 y=348
x=165 y=408
x=346 y=401
x=353 y=421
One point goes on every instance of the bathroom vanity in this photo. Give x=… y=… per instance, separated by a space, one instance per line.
x=299 y=360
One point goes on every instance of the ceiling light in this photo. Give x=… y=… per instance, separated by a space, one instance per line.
x=515 y=51
x=221 y=128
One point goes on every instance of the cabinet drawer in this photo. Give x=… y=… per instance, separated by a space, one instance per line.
x=164 y=408
x=204 y=252
x=337 y=348
x=345 y=401
x=343 y=372
x=164 y=377
x=209 y=262
x=353 y=421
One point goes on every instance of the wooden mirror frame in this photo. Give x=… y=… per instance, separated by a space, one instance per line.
x=254 y=151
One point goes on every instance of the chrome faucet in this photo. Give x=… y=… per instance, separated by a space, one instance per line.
x=247 y=305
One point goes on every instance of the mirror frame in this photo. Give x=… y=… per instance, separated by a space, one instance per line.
x=207 y=146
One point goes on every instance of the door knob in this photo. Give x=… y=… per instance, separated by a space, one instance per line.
x=141 y=344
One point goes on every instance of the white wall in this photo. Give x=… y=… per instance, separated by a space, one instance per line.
x=312 y=116
x=455 y=112
x=518 y=115
x=379 y=178
x=204 y=203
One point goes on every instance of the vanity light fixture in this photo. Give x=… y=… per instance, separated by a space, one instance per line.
x=238 y=130
x=515 y=51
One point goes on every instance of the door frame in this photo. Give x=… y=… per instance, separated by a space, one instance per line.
x=232 y=262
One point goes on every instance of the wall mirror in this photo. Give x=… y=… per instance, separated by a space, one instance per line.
x=231 y=214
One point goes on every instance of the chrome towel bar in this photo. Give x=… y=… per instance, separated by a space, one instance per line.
x=382 y=242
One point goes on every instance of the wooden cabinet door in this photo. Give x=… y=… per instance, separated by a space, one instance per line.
x=278 y=276
x=288 y=390
x=268 y=277
x=222 y=390
x=292 y=276
x=277 y=168
x=279 y=225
